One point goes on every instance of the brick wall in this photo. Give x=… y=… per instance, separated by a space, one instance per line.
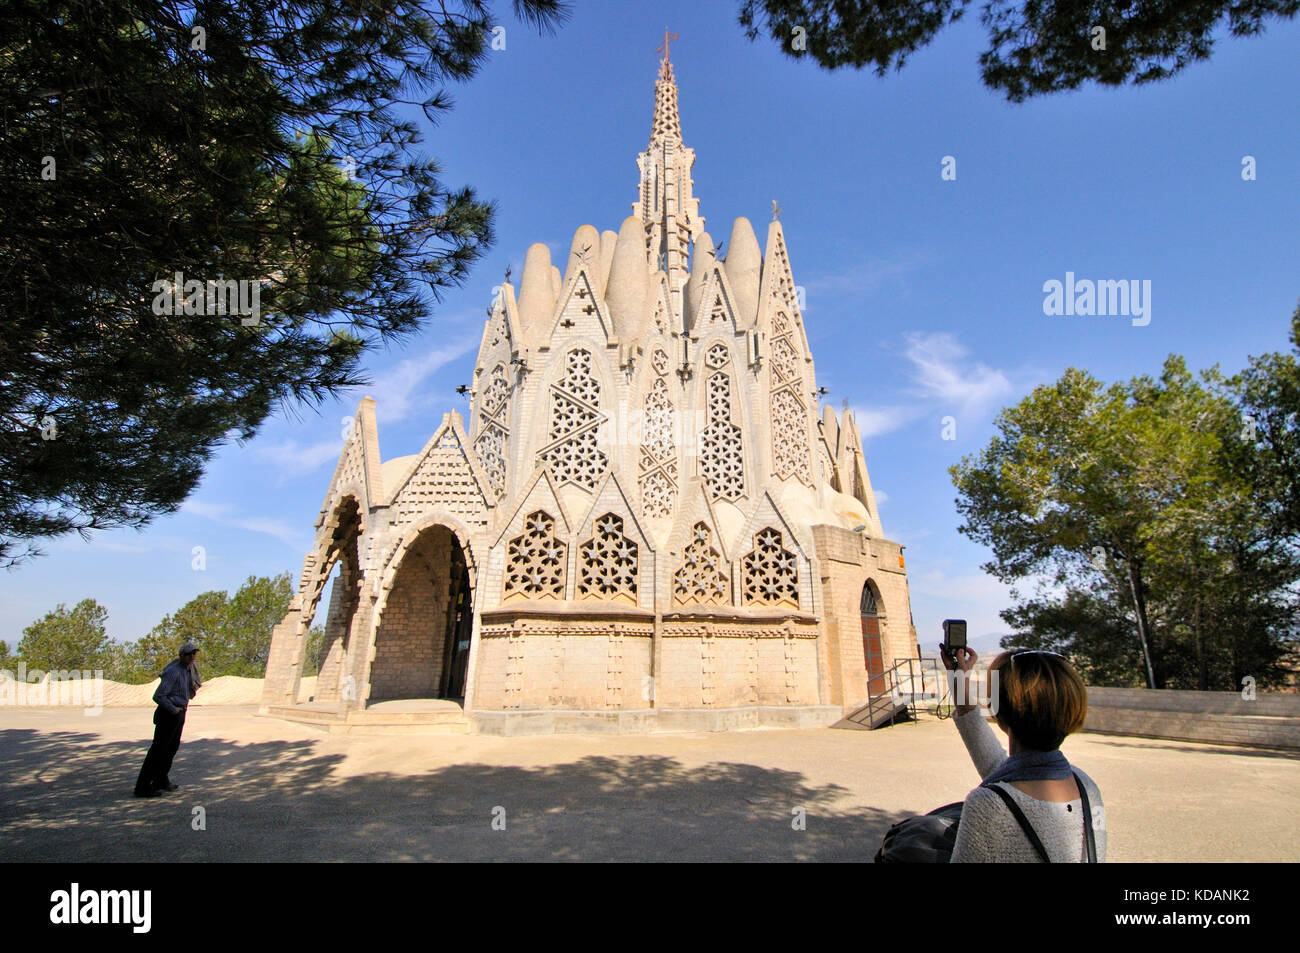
x=412 y=635
x=1210 y=717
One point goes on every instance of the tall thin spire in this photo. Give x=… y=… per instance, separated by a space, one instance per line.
x=666 y=207
x=666 y=124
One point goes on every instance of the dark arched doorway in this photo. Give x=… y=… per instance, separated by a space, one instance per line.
x=422 y=643
x=342 y=580
x=871 y=642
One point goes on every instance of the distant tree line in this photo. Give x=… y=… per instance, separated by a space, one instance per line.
x=233 y=633
x=1157 y=521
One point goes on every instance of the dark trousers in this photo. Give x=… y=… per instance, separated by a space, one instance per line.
x=166 y=742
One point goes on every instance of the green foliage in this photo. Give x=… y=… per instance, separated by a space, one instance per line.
x=1158 y=517
x=1034 y=48
x=67 y=639
x=130 y=154
x=233 y=633
x=315 y=651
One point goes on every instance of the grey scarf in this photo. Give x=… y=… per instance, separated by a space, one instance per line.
x=1032 y=766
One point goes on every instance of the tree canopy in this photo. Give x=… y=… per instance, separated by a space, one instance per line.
x=260 y=156
x=1156 y=518
x=1035 y=48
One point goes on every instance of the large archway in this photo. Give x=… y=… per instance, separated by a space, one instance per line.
x=341 y=574
x=423 y=639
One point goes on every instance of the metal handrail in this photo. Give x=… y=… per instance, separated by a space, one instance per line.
x=902 y=689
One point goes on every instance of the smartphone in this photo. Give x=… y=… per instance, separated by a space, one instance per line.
x=954 y=636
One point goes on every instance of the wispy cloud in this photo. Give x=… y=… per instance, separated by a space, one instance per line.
x=875 y=421
x=867 y=276
x=942 y=372
x=291 y=458
x=226 y=514
x=399 y=391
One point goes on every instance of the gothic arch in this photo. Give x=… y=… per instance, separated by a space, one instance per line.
x=872 y=610
x=343 y=530
x=423 y=620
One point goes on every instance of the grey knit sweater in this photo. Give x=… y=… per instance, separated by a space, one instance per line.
x=988 y=831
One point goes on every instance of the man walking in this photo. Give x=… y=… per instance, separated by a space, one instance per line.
x=178 y=684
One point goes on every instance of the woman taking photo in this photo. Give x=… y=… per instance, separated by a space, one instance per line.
x=1032 y=806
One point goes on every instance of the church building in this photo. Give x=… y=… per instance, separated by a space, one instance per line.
x=645 y=523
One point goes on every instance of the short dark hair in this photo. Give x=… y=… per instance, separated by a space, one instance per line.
x=1041 y=698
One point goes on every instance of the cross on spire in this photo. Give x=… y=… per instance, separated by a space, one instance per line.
x=668 y=38
x=665 y=67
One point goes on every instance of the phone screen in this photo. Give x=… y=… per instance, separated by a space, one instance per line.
x=954 y=634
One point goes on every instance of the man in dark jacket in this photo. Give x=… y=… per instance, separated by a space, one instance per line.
x=178 y=684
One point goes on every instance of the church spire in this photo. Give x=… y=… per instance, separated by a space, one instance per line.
x=666 y=207
x=666 y=124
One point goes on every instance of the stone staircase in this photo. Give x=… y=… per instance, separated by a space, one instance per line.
x=410 y=716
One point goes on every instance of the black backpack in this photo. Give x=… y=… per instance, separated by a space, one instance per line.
x=930 y=838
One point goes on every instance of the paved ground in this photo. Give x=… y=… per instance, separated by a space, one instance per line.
x=272 y=790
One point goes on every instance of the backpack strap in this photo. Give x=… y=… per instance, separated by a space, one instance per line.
x=1019 y=815
x=1089 y=837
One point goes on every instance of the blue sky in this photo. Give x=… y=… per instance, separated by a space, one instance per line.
x=924 y=296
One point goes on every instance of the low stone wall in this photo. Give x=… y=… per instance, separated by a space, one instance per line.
x=652 y=720
x=1268 y=720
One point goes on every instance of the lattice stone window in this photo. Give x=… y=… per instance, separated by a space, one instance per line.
x=494 y=431
x=608 y=562
x=701 y=579
x=791 y=454
x=535 y=560
x=769 y=572
x=718 y=355
x=722 y=457
x=659 y=361
x=573 y=454
x=658 y=469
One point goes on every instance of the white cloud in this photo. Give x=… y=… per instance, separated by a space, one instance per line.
x=867 y=276
x=874 y=421
x=881 y=496
x=226 y=514
x=212 y=511
x=977 y=598
x=402 y=389
x=292 y=458
x=942 y=372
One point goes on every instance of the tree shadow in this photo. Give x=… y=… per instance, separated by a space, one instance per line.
x=1206 y=747
x=65 y=797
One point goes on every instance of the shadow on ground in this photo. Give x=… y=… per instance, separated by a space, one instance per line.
x=1203 y=747
x=65 y=797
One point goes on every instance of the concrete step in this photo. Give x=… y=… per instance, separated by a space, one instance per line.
x=425 y=716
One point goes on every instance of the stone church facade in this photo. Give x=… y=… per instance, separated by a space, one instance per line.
x=645 y=523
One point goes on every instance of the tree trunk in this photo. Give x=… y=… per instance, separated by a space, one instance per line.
x=1144 y=630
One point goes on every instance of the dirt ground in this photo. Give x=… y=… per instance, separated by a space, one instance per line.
x=269 y=790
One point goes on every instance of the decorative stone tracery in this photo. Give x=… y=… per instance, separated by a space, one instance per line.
x=607 y=563
x=658 y=468
x=701 y=579
x=769 y=572
x=722 y=461
x=573 y=455
x=494 y=431
x=791 y=456
x=535 y=560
